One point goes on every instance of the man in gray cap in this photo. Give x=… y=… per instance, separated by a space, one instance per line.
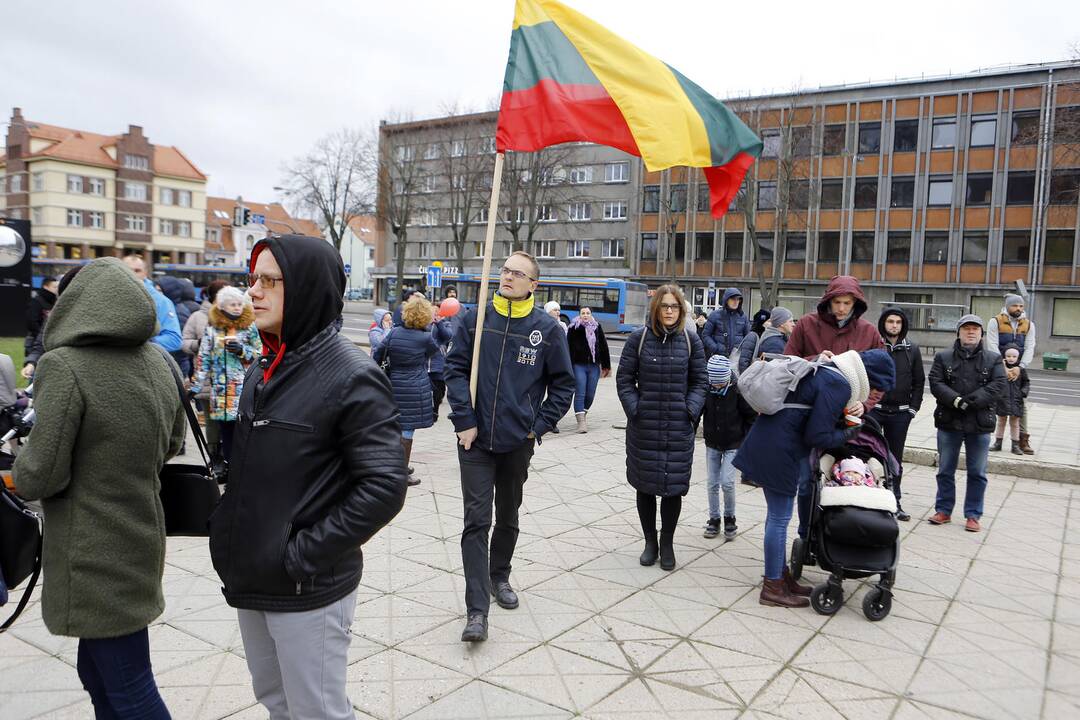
x=772 y=340
x=1013 y=327
x=965 y=380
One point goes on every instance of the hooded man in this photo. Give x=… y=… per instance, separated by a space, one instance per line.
x=38 y=311
x=836 y=325
x=966 y=379
x=317 y=470
x=899 y=406
x=181 y=293
x=726 y=326
x=1013 y=327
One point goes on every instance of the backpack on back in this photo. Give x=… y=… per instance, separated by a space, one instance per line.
x=765 y=385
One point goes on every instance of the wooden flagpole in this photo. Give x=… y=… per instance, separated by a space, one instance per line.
x=481 y=300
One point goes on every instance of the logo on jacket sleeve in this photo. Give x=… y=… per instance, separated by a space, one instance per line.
x=536 y=337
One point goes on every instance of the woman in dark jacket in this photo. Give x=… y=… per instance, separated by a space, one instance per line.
x=591 y=359
x=778 y=447
x=408 y=348
x=661 y=383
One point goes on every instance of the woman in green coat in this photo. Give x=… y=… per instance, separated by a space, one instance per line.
x=108 y=417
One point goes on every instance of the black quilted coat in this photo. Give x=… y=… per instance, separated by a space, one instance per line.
x=662 y=391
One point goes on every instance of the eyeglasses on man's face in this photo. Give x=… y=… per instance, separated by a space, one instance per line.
x=516 y=274
x=266 y=282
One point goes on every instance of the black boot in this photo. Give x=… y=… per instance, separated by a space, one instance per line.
x=652 y=549
x=667 y=551
x=996 y=446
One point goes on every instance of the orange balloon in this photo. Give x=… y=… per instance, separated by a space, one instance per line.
x=449 y=307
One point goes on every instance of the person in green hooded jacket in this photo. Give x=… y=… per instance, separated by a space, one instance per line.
x=108 y=417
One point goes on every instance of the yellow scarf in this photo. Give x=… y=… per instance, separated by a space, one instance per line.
x=519 y=308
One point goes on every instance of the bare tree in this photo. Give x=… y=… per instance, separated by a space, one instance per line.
x=534 y=185
x=673 y=207
x=333 y=181
x=465 y=152
x=402 y=185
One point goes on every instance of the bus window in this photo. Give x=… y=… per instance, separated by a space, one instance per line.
x=541 y=295
x=592 y=298
x=566 y=297
x=611 y=301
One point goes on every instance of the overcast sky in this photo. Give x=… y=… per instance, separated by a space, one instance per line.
x=243 y=86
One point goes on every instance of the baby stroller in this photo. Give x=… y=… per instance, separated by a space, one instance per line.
x=852 y=531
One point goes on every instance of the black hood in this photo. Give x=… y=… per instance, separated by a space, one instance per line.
x=48 y=299
x=903 y=323
x=176 y=289
x=314 y=284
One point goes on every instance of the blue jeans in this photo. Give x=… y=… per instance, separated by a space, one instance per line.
x=721 y=475
x=777 y=516
x=977 y=447
x=117 y=674
x=806 y=476
x=587 y=377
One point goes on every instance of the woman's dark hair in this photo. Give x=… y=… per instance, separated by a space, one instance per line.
x=214 y=288
x=68 y=277
x=655 y=322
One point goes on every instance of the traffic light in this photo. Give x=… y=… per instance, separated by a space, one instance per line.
x=241 y=216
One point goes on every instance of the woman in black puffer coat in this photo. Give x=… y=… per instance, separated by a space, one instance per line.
x=661 y=382
x=408 y=349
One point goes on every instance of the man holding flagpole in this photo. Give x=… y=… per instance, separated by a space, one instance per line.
x=524 y=385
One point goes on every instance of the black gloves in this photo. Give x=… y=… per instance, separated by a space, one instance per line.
x=960 y=403
x=234 y=347
x=852 y=432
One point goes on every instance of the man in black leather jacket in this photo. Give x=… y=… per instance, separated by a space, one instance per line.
x=317 y=469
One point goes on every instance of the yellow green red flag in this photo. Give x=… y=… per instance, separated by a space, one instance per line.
x=569 y=79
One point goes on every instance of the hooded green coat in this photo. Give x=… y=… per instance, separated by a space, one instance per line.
x=108 y=417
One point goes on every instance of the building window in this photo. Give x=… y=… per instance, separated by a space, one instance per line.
x=458 y=181
x=406 y=153
x=862 y=247
x=772 y=142
x=703 y=200
x=97 y=187
x=577 y=249
x=136 y=162
x=799 y=194
x=166 y=195
x=902 y=192
x=135 y=223
x=97 y=220
x=869 y=138
x=615 y=210
x=828 y=249
x=703 y=246
x=35 y=216
x=580 y=212
x=581 y=175
x=617 y=173
x=37 y=181
x=833 y=140
x=650 y=201
x=677 y=194
x=983 y=131
x=431 y=152
x=733 y=247
x=213 y=236
x=15 y=214
x=545 y=248
x=832 y=194
x=74 y=183
x=15 y=185
x=944 y=135
x=482 y=215
x=457 y=148
x=865 y=193
x=648 y=246
x=802 y=141
x=898 y=247
x=487 y=146
x=74 y=218
x=1066 y=317
x=1067 y=125
x=1016 y=248
x=1059 y=247
x=905 y=136
x=936 y=248
x=766 y=199
x=1021 y=189
x=975 y=248
x=763 y=246
x=427 y=184
x=614 y=248
x=680 y=246
x=183 y=229
x=939 y=192
x=183 y=198
x=979 y=188
x=135 y=191
x=546 y=213
x=1064 y=187
x=1025 y=128
x=919 y=317
x=795 y=249
x=165 y=227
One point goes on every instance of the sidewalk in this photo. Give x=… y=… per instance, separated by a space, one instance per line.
x=983 y=626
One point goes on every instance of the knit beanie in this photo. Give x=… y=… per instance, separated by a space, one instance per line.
x=719 y=368
x=229 y=294
x=853 y=465
x=779 y=316
x=851 y=366
x=1013 y=299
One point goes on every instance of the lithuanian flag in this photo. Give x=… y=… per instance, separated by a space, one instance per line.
x=569 y=79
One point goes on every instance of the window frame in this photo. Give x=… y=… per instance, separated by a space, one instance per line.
x=829 y=184
x=75 y=218
x=74 y=184
x=966 y=242
x=615 y=211
x=1006 y=236
x=864 y=148
x=1053 y=322
x=905 y=253
x=1068 y=235
x=826 y=148
x=623 y=172
x=579 y=212
x=822 y=246
x=977 y=120
x=927 y=237
x=937 y=181
x=967 y=189
x=581 y=175
x=1011 y=183
x=578 y=249
x=905 y=181
x=865 y=182
x=862 y=240
x=905 y=123
x=761 y=195
x=98 y=186
x=942 y=122
x=605 y=248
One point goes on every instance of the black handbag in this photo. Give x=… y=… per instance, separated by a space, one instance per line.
x=189 y=492
x=20 y=548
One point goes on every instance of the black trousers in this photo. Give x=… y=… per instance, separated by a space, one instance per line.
x=438 y=392
x=895 y=426
x=670 y=509
x=487 y=478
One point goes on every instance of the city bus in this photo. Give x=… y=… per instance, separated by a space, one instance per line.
x=618 y=305
x=199 y=275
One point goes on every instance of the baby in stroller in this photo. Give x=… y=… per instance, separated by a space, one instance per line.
x=851 y=472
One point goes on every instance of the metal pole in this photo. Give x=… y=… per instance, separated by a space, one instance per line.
x=481 y=299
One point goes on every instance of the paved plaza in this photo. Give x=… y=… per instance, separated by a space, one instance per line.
x=983 y=625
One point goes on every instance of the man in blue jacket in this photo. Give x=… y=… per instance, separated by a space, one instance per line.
x=726 y=326
x=524 y=386
x=168 y=336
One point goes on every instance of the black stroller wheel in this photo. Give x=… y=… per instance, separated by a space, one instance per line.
x=827 y=598
x=877 y=604
x=796 y=563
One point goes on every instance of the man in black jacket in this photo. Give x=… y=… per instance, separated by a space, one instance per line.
x=37 y=312
x=899 y=406
x=523 y=358
x=965 y=380
x=317 y=469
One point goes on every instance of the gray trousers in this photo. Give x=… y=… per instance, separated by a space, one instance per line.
x=298 y=660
